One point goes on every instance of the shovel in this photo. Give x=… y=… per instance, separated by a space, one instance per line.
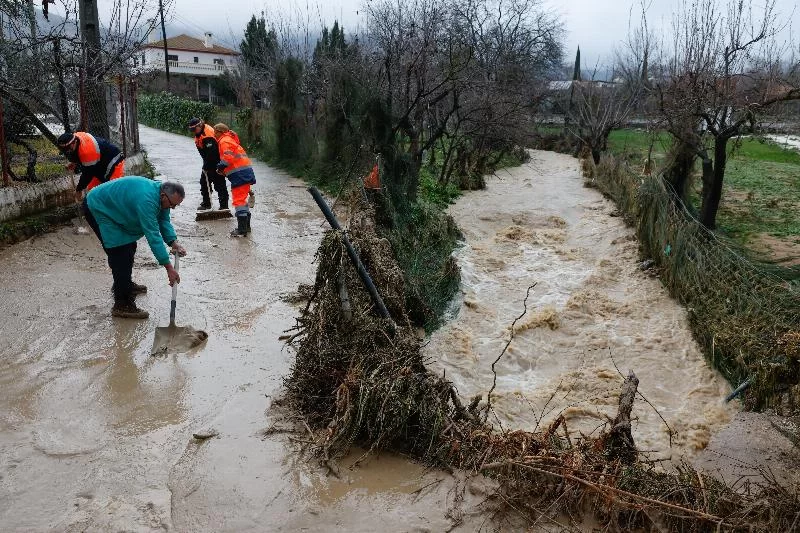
x=78 y=228
x=173 y=338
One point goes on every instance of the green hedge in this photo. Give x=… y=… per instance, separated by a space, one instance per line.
x=169 y=112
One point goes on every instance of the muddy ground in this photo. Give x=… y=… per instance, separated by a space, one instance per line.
x=96 y=435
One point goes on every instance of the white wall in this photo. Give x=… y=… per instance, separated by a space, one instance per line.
x=154 y=58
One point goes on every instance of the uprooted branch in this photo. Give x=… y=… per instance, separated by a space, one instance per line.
x=356 y=384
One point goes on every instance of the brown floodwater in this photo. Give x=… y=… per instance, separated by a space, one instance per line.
x=592 y=316
x=96 y=434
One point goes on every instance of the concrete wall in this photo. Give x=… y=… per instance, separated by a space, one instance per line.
x=35 y=198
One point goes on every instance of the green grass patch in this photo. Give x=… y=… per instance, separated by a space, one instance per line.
x=761 y=192
x=761 y=196
x=634 y=144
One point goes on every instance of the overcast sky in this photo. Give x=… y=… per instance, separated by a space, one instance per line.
x=596 y=25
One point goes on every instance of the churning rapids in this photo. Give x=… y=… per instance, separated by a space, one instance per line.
x=592 y=314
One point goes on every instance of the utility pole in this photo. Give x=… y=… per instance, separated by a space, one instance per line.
x=32 y=24
x=95 y=89
x=164 y=40
x=3 y=148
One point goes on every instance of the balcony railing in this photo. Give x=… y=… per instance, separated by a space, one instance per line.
x=186 y=67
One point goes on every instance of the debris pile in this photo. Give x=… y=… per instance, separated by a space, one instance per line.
x=356 y=381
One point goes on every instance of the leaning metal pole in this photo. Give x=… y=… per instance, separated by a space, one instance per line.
x=362 y=272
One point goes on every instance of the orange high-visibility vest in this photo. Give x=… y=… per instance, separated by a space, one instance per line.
x=373 y=181
x=208 y=131
x=88 y=149
x=232 y=154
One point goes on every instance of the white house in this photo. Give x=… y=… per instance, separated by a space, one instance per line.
x=198 y=58
x=188 y=55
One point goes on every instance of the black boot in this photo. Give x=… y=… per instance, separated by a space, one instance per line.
x=204 y=206
x=241 y=226
x=249 y=229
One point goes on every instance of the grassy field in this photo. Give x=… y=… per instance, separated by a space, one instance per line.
x=760 y=206
x=49 y=164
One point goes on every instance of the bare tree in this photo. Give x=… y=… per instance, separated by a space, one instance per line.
x=723 y=73
x=464 y=72
x=600 y=108
x=57 y=47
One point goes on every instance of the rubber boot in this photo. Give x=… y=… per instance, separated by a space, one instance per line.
x=249 y=229
x=128 y=309
x=241 y=226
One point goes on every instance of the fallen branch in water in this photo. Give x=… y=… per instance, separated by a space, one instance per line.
x=357 y=385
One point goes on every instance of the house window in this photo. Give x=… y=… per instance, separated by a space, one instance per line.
x=219 y=61
x=171 y=57
x=196 y=59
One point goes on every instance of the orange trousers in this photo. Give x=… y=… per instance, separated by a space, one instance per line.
x=119 y=171
x=240 y=195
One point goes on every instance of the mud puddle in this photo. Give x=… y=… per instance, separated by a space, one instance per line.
x=96 y=435
x=592 y=315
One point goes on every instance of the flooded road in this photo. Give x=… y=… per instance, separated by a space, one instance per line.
x=96 y=435
x=592 y=308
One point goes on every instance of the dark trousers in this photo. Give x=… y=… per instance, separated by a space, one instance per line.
x=120 y=260
x=211 y=181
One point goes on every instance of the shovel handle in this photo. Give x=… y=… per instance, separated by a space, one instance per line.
x=174 y=293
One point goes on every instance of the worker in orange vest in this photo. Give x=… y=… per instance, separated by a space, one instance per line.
x=235 y=165
x=209 y=150
x=97 y=160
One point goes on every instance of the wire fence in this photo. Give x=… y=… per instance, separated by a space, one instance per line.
x=27 y=151
x=745 y=314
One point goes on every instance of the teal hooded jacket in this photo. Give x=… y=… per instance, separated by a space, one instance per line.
x=128 y=209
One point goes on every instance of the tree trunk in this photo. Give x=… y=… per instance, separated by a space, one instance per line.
x=679 y=169
x=712 y=184
x=95 y=90
x=63 y=100
x=596 y=155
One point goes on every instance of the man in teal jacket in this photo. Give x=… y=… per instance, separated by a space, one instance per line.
x=123 y=211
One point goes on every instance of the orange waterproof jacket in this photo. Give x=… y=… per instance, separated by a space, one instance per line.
x=97 y=158
x=234 y=163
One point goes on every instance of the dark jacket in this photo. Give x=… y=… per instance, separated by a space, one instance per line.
x=208 y=148
x=94 y=157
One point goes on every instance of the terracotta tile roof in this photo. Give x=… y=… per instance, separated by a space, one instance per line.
x=192 y=44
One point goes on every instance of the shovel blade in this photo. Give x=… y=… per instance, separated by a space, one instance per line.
x=174 y=339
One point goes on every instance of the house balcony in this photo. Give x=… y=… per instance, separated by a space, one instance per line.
x=186 y=67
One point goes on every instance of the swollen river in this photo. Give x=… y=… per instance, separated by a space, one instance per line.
x=592 y=315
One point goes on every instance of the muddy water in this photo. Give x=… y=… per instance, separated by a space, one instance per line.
x=96 y=435
x=592 y=312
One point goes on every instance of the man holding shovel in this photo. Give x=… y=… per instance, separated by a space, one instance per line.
x=209 y=151
x=123 y=211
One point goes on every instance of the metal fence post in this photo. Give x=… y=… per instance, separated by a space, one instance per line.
x=121 y=90
x=3 y=148
x=82 y=98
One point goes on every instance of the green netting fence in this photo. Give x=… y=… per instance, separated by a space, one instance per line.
x=745 y=314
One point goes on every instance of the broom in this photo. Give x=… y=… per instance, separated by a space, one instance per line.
x=212 y=214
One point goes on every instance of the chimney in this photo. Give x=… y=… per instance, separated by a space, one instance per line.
x=208 y=41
